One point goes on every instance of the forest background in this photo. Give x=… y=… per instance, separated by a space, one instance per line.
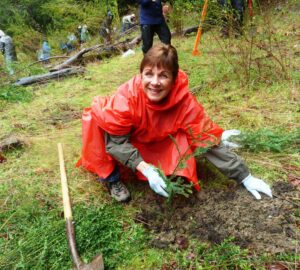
x=28 y=22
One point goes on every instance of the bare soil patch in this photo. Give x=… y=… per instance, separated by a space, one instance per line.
x=268 y=225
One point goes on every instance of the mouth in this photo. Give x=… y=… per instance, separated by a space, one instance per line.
x=154 y=91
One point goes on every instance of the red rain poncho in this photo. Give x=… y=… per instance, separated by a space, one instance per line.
x=152 y=128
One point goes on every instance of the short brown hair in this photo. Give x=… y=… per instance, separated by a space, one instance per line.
x=161 y=55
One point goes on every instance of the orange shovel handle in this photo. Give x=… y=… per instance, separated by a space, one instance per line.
x=199 y=33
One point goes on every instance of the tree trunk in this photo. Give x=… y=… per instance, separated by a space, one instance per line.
x=48 y=76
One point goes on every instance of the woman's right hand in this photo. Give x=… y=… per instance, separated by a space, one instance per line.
x=156 y=182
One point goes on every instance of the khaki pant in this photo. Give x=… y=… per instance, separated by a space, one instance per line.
x=229 y=163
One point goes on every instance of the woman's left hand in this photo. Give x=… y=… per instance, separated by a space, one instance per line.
x=226 y=136
x=255 y=185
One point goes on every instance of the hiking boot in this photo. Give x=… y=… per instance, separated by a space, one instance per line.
x=119 y=191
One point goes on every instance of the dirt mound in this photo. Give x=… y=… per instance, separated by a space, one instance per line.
x=268 y=225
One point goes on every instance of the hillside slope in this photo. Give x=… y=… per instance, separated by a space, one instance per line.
x=250 y=83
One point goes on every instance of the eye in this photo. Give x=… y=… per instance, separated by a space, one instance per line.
x=148 y=73
x=164 y=76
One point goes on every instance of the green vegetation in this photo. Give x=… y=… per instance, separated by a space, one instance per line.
x=224 y=256
x=29 y=21
x=40 y=243
x=240 y=84
x=15 y=94
x=265 y=140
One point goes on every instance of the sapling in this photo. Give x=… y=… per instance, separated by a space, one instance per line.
x=176 y=185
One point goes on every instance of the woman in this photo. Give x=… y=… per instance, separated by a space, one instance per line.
x=154 y=121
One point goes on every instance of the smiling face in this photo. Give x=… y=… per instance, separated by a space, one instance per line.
x=157 y=83
x=159 y=70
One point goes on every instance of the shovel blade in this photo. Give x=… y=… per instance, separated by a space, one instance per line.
x=96 y=264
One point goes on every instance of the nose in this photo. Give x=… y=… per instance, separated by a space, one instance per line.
x=155 y=80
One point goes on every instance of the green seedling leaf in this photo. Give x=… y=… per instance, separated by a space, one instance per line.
x=176 y=186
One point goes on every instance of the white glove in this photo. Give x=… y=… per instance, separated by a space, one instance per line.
x=255 y=185
x=155 y=181
x=227 y=134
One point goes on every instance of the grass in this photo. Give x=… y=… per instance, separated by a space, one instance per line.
x=202 y=256
x=41 y=243
x=13 y=94
x=32 y=227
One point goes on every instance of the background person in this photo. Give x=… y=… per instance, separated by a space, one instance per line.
x=70 y=44
x=105 y=30
x=128 y=22
x=153 y=21
x=232 y=11
x=45 y=51
x=8 y=50
x=83 y=34
x=133 y=127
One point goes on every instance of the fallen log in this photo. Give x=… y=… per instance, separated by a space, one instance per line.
x=48 y=76
x=41 y=61
x=190 y=30
x=128 y=31
x=52 y=57
x=76 y=57
x=119 y=46
x=134 y=41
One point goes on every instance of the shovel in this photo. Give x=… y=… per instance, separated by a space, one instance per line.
x=97 y=263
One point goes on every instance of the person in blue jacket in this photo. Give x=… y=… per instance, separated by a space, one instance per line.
x=153 y=21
